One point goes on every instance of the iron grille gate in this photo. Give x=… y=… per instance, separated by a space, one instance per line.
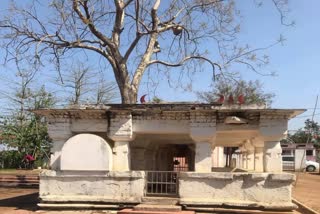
x=162 y=183
x=288 y=159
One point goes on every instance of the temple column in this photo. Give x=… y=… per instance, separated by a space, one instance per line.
x=120 y=132
x=217 y=156
x=244 y=164
x=59 y=130
x=203 y=162
x=121 y=156
x=272 y=156
x=258 y=155
x=249 y=155
x=273 y=128
x=202 y=131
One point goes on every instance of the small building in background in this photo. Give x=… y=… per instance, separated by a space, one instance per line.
x=294 y=156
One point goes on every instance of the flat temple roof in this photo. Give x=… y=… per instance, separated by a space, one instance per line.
x=167 y=107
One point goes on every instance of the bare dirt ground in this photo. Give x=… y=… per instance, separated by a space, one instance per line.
x=307 y=190
x=24 y=201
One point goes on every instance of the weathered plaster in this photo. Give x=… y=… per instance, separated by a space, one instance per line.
x=86 y=152
x=108 y=187
x=236 y=189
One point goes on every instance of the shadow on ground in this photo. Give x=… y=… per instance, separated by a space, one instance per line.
x=23 y=202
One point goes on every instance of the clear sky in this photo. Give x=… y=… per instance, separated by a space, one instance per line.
x=296 y=62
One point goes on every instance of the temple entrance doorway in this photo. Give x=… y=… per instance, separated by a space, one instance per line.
x=170 y=160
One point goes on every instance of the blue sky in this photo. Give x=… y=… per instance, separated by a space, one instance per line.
x=296 y=62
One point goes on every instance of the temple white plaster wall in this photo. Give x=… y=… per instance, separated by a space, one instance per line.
x=59 y=130
x=89 y=125
x=161 y=126
x=86 y=152
x=120 y=127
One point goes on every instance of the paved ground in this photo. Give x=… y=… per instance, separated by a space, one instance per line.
x=23 y=201
x=307 y=190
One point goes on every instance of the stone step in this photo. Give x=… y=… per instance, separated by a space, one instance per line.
x=19 y=180
x=76 y=206
x=157 y=207
x=14 y=184
x=160 y=200
x=132 y=211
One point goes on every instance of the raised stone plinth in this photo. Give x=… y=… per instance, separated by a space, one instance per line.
x=256 y=190
x=84 y=187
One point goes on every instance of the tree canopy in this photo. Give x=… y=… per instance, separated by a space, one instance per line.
x=132 y=36
x=252 y=92
x=309 y=134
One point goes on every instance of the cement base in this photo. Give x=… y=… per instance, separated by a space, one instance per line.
x=248 y=190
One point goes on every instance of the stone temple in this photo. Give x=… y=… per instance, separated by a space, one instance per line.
x=124 y=155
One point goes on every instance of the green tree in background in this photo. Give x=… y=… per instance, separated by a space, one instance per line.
x=309 y=134
x=27 y=134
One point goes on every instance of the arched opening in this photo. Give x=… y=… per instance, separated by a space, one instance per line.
x=86 y=152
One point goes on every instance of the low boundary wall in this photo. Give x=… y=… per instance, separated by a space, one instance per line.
x=216 y=189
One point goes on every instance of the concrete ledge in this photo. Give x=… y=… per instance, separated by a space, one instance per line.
x=93 y=198
x=131 y=211
x=77 y=206
x=92 y=174
x=258 y=176
x=246 y=204
x=211 y=175
x=282 y=177
x=235 y=210
x=157 y=207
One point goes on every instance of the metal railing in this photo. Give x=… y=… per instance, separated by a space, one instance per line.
x=162 y=183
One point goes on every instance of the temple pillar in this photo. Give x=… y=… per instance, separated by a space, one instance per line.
x=121 y=133
x=121 y=156
x=203 y=162
x=258 y=155
x=249 y=155
x=217 y=156
x=59 y=130
x=203 y=132
x=273 y=128
x=244 y=164
x=272 y=156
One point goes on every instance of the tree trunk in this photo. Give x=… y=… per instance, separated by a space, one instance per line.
x=128 y=94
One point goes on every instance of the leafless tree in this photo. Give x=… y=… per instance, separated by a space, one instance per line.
x=104 y=91
x=18 y=94
x=83 y=84
x=77 y=83
x=131 y=35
